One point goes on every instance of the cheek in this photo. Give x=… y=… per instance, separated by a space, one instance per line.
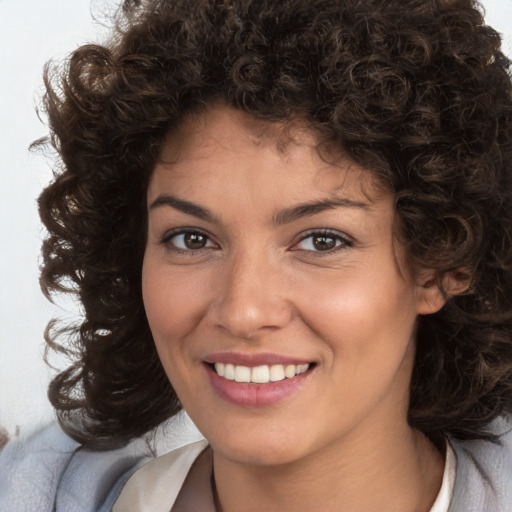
x=173 y=300
x=361 y=313
x=163 y=311
x=172 y=303
x=367 y=326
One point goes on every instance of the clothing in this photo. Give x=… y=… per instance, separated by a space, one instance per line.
x=444 y=498
x=50 y=472
x=157 y=484
x=165 y=483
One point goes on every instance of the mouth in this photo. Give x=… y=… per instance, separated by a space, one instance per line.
x=254 y=380
x=262 y=374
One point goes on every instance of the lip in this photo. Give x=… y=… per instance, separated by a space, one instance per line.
x=256 y=359
x=245 y=394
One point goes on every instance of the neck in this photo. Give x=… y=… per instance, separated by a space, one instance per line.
x=376 y=473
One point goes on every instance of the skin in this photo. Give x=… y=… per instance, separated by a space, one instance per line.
x=341 y=440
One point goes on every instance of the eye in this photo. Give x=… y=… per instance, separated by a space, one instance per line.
x=187 y=240
x=322 y=241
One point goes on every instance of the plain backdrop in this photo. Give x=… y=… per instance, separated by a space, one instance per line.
x=31 y=32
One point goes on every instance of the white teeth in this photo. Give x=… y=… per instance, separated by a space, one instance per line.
x=301 y=368
x=220 y=368
x=242 y=374
x=289 y=371
x=229 y=372
x=277 y=372
x=259 y=374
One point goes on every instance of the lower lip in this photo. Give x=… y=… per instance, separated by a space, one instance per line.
x=255 y=395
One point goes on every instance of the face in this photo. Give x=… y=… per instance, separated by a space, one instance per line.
x=279 y=301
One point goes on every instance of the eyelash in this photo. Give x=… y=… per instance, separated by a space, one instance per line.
x=342 y=241
x=168 y=237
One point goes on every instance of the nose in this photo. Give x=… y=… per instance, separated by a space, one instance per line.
x=252 y=297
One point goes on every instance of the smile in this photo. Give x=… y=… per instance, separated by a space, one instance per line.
x=256 y=380
x=262 y=374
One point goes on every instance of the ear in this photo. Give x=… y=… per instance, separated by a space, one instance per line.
x=434 y=290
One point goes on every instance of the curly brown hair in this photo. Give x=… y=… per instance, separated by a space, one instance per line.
x=418 y=91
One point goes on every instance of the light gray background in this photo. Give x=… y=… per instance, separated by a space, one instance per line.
x=31 y=32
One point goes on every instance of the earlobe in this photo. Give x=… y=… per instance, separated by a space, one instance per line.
x=433 y=292
x=430 y=297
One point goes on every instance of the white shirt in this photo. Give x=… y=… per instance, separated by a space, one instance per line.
x=158 y=485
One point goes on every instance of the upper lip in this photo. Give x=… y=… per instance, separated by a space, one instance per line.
x=253 y=359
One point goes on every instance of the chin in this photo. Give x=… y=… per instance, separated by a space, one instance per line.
x=259 y=455
x=260 y=449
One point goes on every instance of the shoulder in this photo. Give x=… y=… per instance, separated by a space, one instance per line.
x=156 y=485
x=484 y=472
x=49 y=471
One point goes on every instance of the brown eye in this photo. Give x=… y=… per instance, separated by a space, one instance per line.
x=323 y=242
x=194 y=240
x=188 y=241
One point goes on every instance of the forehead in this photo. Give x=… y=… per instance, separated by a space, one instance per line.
x=223 y=140
x=219 y=125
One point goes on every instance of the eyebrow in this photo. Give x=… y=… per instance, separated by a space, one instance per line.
x=284 y=216
x=187 y=207
x=311 y=208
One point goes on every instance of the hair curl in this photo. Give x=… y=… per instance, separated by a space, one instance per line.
x=418 y=91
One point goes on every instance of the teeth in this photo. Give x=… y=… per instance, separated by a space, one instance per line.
x=220 y=368
x=242 y=374
x=277 y=372
x=259 y=374
x=303 y=368
x=229 y=372
x=290 y=371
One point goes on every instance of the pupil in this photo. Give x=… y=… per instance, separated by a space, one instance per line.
x=195 y=240
x=324 y=243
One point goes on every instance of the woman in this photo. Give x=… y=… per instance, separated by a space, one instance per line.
x=293 y=220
